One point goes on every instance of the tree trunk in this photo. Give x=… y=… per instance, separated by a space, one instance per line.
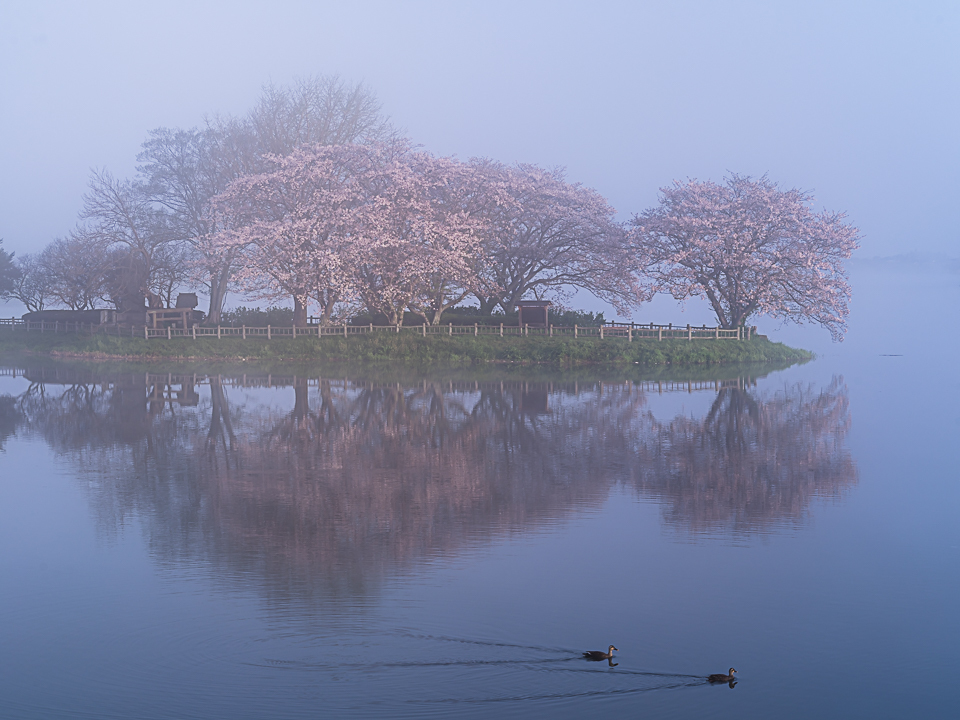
x=301 y=406
x=326 y=299
x=487 y=304
x=217 y=296
x=327 y=312
x=221 y=428
x=299 y=312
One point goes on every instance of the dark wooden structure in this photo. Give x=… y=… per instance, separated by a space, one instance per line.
x=182 y=316
x=535 y=313
x=84 y=317
x=172 y=317
x=187 y=300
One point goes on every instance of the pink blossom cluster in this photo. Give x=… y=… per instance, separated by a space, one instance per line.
x=748 y=247
x=389 y=228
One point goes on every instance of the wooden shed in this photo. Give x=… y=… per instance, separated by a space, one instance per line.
x=535 y=313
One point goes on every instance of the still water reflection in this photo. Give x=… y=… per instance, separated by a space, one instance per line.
x=337 y=482
x=319 y=495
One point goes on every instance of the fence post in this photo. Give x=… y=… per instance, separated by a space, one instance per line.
x=424 y=329
x=549 y=330
x=243 y=331
x=501 y=329
x=689 y=332
x=371 y=328
x=601 y=332
x=344 y=328
x=218 y=332
x=169 y=332
x=574 y=330
x=146 y=333
x=476 y=329
x=193 y=331
x=451 y=328
x=660 y=333
x=716 y=333
x=630 y=333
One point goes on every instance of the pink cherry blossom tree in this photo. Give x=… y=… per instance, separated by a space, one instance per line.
x=422 y=243
x=296 y=224
x=379 y=223
x=545 y=236
x=748 y=247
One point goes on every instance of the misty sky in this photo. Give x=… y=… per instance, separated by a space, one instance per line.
x=855 y=101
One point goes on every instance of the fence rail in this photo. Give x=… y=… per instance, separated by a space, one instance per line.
x=60 y=326
x=628 y=331
x=167 y=383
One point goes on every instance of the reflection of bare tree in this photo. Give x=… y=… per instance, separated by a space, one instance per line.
x=751 y=461
x=221 y=425
x=357 y=480
x=9 y=417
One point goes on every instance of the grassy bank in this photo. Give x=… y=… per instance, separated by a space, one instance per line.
x=407 y=348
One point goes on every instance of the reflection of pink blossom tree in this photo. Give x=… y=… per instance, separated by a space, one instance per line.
x=748 y=247
x=755 y=459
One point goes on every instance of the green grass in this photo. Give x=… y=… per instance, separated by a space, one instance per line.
x=407 y=348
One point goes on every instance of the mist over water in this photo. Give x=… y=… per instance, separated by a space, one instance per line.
x=313 y=541
x=200 y=542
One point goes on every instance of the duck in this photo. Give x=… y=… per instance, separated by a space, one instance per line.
x=721 y=678
x=599 y=654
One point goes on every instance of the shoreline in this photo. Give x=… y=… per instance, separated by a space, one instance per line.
x=407 y=350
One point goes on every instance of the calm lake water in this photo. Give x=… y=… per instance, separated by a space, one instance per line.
x=197 y=542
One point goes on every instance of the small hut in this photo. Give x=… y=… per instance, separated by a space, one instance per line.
x=183 y=315
x=535 y=313
x=187 y=300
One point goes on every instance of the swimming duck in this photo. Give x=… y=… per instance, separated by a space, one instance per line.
x=599 y=654
x=721 y=678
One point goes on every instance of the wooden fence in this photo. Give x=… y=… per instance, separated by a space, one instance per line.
x=627 y=331
x=46 y=326
x=164 y=385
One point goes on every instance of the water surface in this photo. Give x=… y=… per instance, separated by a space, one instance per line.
x=195 y=542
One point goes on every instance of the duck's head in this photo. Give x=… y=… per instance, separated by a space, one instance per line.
x=612 y=648
x=732 y=671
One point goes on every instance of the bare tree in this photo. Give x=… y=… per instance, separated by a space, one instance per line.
x=121 y=215
x=126 y=278
x=320 y=110
x=183 y=170
x=73 y=270
x=32 y=283
x=8 y=272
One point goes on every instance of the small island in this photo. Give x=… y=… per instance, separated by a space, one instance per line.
x=408 y=345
